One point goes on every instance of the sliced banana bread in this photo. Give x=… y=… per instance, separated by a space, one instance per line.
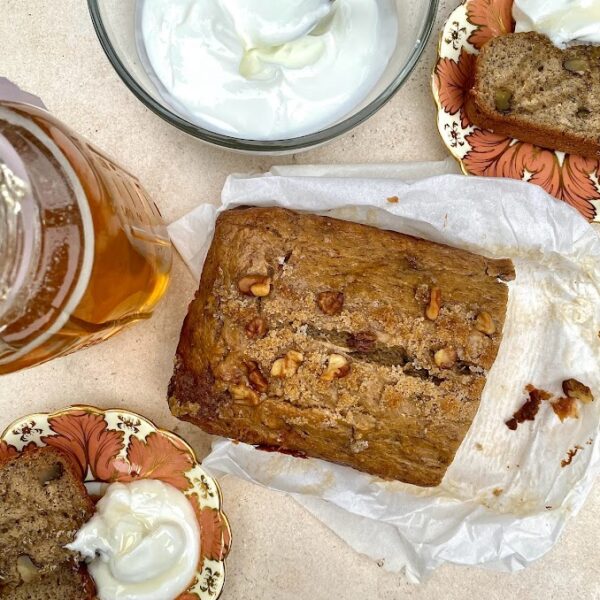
x=43 y=503
x=67 y=582
x=340 y=341
x=528 y=89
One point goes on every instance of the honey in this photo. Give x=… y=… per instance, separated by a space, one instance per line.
x=83 y=250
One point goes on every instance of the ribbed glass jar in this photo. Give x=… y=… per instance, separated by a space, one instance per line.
x=83 y=249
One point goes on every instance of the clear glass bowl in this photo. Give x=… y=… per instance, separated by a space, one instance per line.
x=114 y=21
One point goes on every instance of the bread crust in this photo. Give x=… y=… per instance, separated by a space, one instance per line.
x=483 y=115
x=88 y=587
x=527 y=132
x=394 y=413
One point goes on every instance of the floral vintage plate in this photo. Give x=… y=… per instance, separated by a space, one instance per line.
x=571 y=178
x=117 y=445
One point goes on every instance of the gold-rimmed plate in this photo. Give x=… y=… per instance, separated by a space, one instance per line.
x=117 y=445
x=567 y=177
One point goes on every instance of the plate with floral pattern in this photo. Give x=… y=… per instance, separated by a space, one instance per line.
x=118 y=445
x=571 y=178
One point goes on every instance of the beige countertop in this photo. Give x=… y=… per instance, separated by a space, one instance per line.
x=279 y=552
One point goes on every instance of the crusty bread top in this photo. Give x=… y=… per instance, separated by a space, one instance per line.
x=43 y=505
x=547 y=94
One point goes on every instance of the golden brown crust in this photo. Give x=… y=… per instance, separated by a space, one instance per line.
x=517 y=128
x=524 y=126
x=359 y=380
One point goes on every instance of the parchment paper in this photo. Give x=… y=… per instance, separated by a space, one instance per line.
x=506 y=497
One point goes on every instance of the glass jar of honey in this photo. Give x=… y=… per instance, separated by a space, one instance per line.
x=83 y=250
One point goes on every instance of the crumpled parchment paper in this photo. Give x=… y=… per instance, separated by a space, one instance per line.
x=507 y=496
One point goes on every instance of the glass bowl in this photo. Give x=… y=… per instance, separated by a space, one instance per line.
x=114 y=21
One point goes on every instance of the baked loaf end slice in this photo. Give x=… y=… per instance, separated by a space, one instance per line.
x=43 y=503
x=309 y=335
x=528 y=89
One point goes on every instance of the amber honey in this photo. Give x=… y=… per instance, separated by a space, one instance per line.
x=93 y=253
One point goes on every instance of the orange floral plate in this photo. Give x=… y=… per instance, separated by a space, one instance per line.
x=117 y=445
x=571 y=178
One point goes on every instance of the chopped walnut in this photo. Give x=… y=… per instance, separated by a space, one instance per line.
x=432 y=312
x=278 y=369
x=337 y=368
x=445 y=358
x=244 y=395
x=331 y=303
x=257 y=380
x=257 y=328
x=27 y=569
x=575 y=389
x=485 y=323
x=255 y=285
x=566 y=408
x=51 y=473
x=288 y=365
x=230 y=369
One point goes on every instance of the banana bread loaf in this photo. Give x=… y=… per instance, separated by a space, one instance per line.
x=340 y=341
x=528 y=89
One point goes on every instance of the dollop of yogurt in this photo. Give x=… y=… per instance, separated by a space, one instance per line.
x=264 y=23
x=563 y=21
x=266 y=70
x=143 y=543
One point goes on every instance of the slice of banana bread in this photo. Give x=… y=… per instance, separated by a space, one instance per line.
x=65 y=583
x=528 y=89
x=43 y=503
x=339 y=341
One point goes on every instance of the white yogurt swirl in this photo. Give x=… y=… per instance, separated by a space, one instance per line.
x=265 y=70
x=264 y=23
x=563 y=21
x=143 y=543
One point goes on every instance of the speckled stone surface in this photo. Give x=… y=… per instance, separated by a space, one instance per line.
x=279 y=552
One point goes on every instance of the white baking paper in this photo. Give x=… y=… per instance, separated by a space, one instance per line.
x=506 y=497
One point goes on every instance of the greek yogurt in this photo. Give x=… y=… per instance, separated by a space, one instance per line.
x=143 y=543
x=563 y=21
x=265 y=70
